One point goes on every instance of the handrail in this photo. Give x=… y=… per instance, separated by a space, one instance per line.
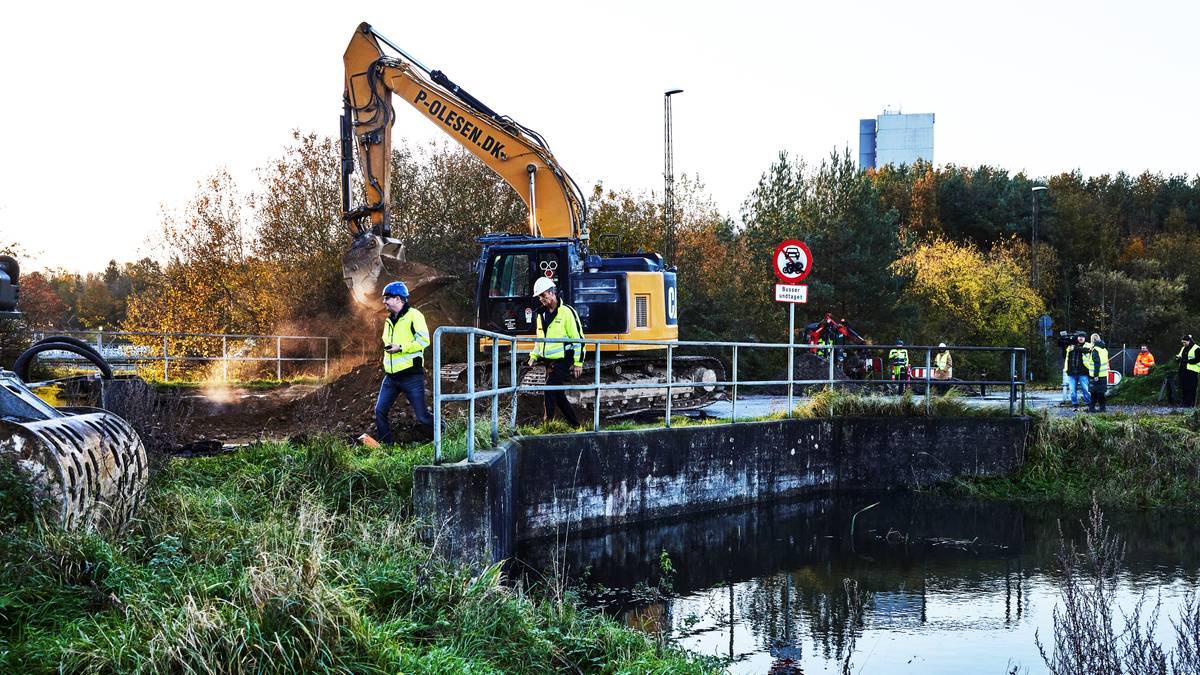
x=515 y=388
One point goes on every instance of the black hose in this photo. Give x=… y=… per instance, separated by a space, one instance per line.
x=25 y=360
x=71 y=341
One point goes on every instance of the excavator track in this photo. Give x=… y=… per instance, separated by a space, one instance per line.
x=690 y=377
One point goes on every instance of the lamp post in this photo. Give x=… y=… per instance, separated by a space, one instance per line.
x=1033 y=237
x=669 y=178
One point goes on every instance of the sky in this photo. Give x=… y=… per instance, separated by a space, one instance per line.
x=111 y=113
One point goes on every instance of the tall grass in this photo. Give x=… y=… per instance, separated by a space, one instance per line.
x=843 y=403
x=1141 y=460
x=284 y=559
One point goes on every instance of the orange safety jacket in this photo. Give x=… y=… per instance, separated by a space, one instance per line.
x=1145 y=361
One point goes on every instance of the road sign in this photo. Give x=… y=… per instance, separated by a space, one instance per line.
x=792 y=261
x=793 y=293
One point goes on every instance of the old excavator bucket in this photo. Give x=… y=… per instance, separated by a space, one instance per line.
x=373 y=262
x=85 y=467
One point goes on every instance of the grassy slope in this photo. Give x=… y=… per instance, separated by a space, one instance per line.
x=286 y=559
x=1130 y=461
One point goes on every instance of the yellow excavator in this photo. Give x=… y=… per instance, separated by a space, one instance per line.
x=626 y=296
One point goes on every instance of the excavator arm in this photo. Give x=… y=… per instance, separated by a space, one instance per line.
x=517 y=154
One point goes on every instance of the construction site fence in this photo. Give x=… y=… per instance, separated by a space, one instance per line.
x=1018 y=368
x=176 y=354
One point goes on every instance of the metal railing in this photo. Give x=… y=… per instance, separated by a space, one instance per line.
x=120 y=348
x=1015 y=382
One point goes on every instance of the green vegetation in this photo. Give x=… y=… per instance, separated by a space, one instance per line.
x=1127 y=461
x=844 y=403
x=289 y=559
x=1142 y=390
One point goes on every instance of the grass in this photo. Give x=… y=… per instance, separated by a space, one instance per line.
x=1144 y=389
x=288 y=559
x=1121 y=460
x=843 y=403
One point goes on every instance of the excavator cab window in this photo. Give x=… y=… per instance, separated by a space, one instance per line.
x=509 y=305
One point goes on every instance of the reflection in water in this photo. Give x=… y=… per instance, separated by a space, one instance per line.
x=948 y=586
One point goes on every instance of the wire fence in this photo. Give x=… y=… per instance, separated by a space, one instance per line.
x=201 y=356
x=1014 y=383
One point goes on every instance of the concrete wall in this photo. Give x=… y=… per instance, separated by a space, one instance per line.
x=553 y=485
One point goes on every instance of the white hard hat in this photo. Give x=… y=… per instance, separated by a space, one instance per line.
x=941 y=344
x=542 y=285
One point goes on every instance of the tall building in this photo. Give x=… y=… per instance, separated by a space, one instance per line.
x=895 y=138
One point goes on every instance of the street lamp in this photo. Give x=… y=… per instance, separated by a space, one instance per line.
x=1033 y=237
x=669 y=178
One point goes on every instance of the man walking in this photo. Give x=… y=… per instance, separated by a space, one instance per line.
x=557 y=320
x=1189 y=370
x=1098 y=371
x=1076 y=369
x=405 y=337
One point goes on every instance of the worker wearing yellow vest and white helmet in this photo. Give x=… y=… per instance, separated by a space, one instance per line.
x=405 y=337
x=557 y=320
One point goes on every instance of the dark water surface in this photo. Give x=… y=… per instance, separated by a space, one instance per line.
x=956 y=587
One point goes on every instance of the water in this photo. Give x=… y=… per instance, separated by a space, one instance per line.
x=956 y=587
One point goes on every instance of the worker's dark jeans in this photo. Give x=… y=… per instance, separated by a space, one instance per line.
x=411 y=381
x=1099 y=387
x=1187 y=388
x=556 y=374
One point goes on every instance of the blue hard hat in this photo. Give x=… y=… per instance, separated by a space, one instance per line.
x=900 y=343
x=397 y=289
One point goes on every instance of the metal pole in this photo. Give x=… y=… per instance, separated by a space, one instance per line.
x=831 y=357
x=596 y=412
x=278 y=357
x=1024 y=379
x=670 y=356
x=471 y=400
x=224 y=359
x=1012 y=381
x=326 y=375
x=513 y=376
x=791 y=341
x=733 y=412
x=928 y=378
x=437 y=397
x=496 y=394
x=166 y=361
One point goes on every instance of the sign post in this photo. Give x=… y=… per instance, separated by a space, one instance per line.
x=792 y=263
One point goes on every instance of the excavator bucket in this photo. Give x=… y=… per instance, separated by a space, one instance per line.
x=373 y=262
x=86 y=467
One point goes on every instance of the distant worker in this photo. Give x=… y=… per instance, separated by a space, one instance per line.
x=557 y=320
x=943 y=365
x=405 y=337
x=1144 y=362
x=1076 y=368
x=898 y=360
x=1189 y=370
x=1097 y=362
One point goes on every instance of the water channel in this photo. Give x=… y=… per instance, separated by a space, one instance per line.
x=948 y=585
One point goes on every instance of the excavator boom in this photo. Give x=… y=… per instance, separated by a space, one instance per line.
x=517 y=154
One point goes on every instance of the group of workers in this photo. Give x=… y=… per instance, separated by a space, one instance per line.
x=898 y=365
x=1085 y=373
x=406 y=335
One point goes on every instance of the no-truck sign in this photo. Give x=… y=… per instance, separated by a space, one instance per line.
x=792 y=261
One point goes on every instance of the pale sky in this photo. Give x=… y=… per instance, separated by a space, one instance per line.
x=111 y=112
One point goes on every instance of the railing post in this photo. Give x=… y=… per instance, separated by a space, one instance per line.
x=596 y=412
x=1024 y=378
x=224 y=358
x=513 y=369
x=831 y=358
x=733 y=411
x=326 y=375
x=278 y=357
x=471 y=398
x=495 y=392
x=437 y=396
x=166 y=361
x=670 y=357
x=928 y=378
x=1012 y=381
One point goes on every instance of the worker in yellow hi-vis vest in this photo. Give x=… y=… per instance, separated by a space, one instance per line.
x=557 y=320
x=898 y=362
x=405 y=337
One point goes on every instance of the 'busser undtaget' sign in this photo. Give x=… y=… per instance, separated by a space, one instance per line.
x=792 y=263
